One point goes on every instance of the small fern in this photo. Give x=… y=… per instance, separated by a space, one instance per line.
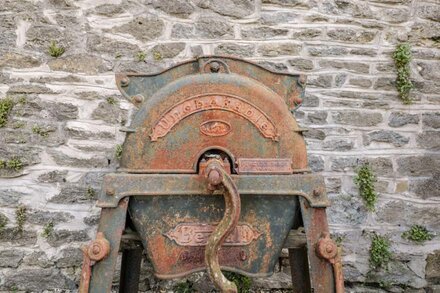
x=417 y=234
x=402 y=58
x=47 y=230
x=365 y=180
x=6 y=106
x=20 y=217
x=54 y=50
x=380 y=254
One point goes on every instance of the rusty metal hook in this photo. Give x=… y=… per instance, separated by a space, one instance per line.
x=327 y=249
x=218 y=177
x=97 y=250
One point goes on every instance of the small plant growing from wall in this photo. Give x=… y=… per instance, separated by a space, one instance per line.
x=118 y=151
x=55 y=50
x=13 y=164
x=242 y=282
x=90 y=193
x=402 y=58
x=380 y=254
x=40 y=131
x=140 y=56
x=111 y=100
x=3 y=222
x=47 y=230
x=417 y=234
x=20 y=218
x=184 y=287
x=365 y=180
x=157 y=56
x=6 y=106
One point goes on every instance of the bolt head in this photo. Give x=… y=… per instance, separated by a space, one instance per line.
x=125 y=81
x=215 y=67
x=138 y=99
x=214 y=177
x=110 y=191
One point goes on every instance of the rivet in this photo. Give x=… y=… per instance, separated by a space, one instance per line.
x=302 y=80
x=110 y=191
x=317 y=192
x=137 y=99
x=215 y=67
x=125 y=81
x=243 y=255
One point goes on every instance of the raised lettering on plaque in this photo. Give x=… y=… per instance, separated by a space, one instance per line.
x=197 y=234
x=233 y=104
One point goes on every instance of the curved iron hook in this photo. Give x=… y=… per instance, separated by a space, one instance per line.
x=217 y=177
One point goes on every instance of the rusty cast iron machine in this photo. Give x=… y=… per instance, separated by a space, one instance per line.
x=214 y=177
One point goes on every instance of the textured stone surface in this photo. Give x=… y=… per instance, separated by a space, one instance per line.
x=429 y=140
x=262 y=32
x=59 y=237
x=431 y=120
x=301 y=64
x=179 y=8
x=142 y=28
x=15 y=60
x=433 y=267
x=169 y=50
x=232 y=49
x=213 y=28
x=41 y=217
x=391 y=137
x=37 y=258
x=277 y=49
x=418 y=165
x=11 y=258
x=234 y=8
x=70 y=257
x=426 y=187
x=37 y=280
x=357 y=118
x=398 y=119
x=79 y=63
x=351 y=35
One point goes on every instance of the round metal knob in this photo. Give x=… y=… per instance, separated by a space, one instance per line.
x=99 y=248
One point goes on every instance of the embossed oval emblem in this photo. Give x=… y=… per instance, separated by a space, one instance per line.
x=215 y=128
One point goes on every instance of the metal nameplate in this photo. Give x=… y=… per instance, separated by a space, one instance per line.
x=264 y=166
x=197 y=234
x=228 y=103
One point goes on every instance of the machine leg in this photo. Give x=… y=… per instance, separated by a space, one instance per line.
x=298 y=267
x=320 y=270
x=111 y=224
x=130 y=270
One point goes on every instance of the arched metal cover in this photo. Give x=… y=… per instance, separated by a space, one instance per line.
x=213 y=102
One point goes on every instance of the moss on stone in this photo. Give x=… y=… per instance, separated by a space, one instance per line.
x=140 y=56
x=6 y=106
x=118 y=151
x=242 y=282
x=20 y=217
x=40 y=131
x=90 y=193
x=402 y=58
x=365 y=180
x=47 y=230
x=14 y=164
x=111 y=100
x=417 y=234
x=184 y=287
x=380 y=254
x=55 y=50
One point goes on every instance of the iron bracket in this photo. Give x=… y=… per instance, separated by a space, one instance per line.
x=117 y=186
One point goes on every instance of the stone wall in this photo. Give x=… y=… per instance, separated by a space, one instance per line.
x=63 y=127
